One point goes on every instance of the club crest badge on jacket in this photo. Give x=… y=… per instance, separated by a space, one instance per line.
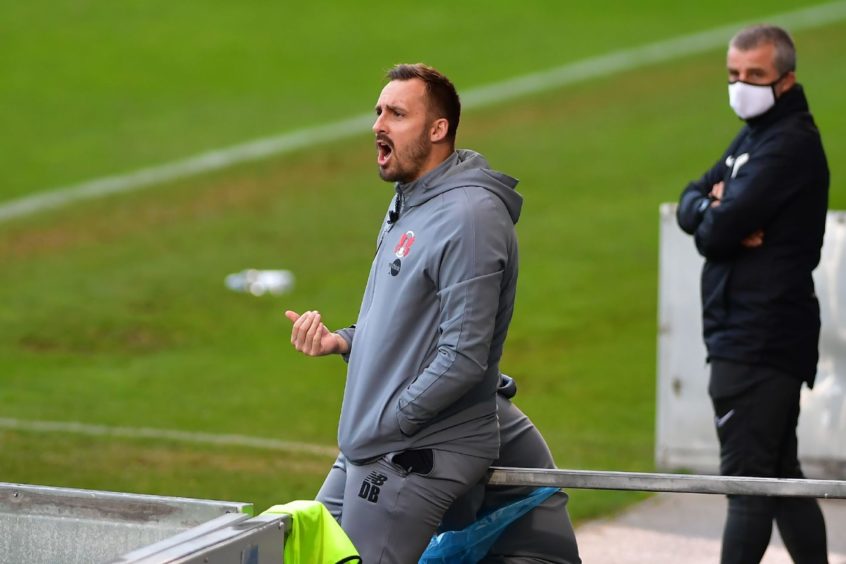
x=402 y=248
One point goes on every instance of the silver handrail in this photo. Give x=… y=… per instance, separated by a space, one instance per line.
x=681 y=483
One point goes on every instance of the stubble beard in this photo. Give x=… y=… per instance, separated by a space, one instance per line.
x=415 y=156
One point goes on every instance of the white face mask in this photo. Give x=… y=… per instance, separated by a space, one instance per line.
x=751 y=100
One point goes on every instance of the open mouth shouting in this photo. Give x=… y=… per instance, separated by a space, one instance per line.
x=385 y=149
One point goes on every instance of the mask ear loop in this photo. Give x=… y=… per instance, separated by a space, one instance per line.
x=776 y=81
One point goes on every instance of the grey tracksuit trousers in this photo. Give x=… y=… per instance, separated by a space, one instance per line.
x=545 y=534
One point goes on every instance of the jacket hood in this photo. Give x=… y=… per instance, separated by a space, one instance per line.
x=462 y=169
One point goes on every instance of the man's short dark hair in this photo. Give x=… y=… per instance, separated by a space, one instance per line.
x=753 y=36
x=443 y=99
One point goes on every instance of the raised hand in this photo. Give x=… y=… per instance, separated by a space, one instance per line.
x=311 y=337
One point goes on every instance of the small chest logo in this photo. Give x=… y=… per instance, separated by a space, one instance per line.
x=395 y=267
x=403 y=247
x=371 y=486
x=736 y=163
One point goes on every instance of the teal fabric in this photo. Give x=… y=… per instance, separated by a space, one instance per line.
x=471 y=544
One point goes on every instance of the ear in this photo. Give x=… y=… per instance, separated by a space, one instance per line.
x=439 y=129
x=787 y=83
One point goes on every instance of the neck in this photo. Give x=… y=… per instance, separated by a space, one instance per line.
x=440 y=153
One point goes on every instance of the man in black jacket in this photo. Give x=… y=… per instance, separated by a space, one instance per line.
x=758 y=217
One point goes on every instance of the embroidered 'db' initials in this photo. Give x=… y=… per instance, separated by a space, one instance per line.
x=370 y=487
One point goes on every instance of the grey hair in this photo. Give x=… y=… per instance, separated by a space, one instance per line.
x=753 y=36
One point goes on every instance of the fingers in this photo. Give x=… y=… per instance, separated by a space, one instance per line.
x=307 y=332
x=716 y=193
x=292 y=315
x=312 y=337
x=756 y=239
x=299 y=330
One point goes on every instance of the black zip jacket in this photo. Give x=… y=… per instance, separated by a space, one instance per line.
x=758 y=304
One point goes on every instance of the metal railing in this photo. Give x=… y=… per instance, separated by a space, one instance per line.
x=680 y=483
x=43 y=524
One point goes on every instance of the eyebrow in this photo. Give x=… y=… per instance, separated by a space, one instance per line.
x=752 y=68
x=391 y=107
x=754 y=72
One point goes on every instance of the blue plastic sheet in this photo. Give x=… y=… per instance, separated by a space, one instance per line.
x=471 y=544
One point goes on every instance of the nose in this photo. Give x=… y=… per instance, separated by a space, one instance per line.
x=379 y=124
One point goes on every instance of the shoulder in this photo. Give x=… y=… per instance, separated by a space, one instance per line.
x=794 y=129
x=792 y=139
x=470 y=203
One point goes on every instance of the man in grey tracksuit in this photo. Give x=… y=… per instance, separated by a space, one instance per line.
x=418 y=425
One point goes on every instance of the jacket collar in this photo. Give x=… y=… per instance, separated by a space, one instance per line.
x=791 y=102
x=420 y=184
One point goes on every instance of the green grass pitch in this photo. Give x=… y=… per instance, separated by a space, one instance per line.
x=115 y=313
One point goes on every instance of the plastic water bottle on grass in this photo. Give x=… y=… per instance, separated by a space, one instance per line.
x=260 y=282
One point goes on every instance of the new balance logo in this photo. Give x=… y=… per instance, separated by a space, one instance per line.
x=370 y=487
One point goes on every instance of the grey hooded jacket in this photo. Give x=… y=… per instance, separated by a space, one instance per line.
x=424 y=359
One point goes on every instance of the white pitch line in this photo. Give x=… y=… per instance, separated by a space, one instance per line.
x=534 y=83
x=76 y=428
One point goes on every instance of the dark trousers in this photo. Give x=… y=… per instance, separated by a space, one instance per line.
x=757 y=431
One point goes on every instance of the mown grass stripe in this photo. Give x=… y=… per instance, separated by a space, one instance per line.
x=77 y=428
x=586 y=69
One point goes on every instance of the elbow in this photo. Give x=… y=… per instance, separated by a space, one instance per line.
x=687 y=224
x=689 y=213
x=714 y=249
x=471 y=365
